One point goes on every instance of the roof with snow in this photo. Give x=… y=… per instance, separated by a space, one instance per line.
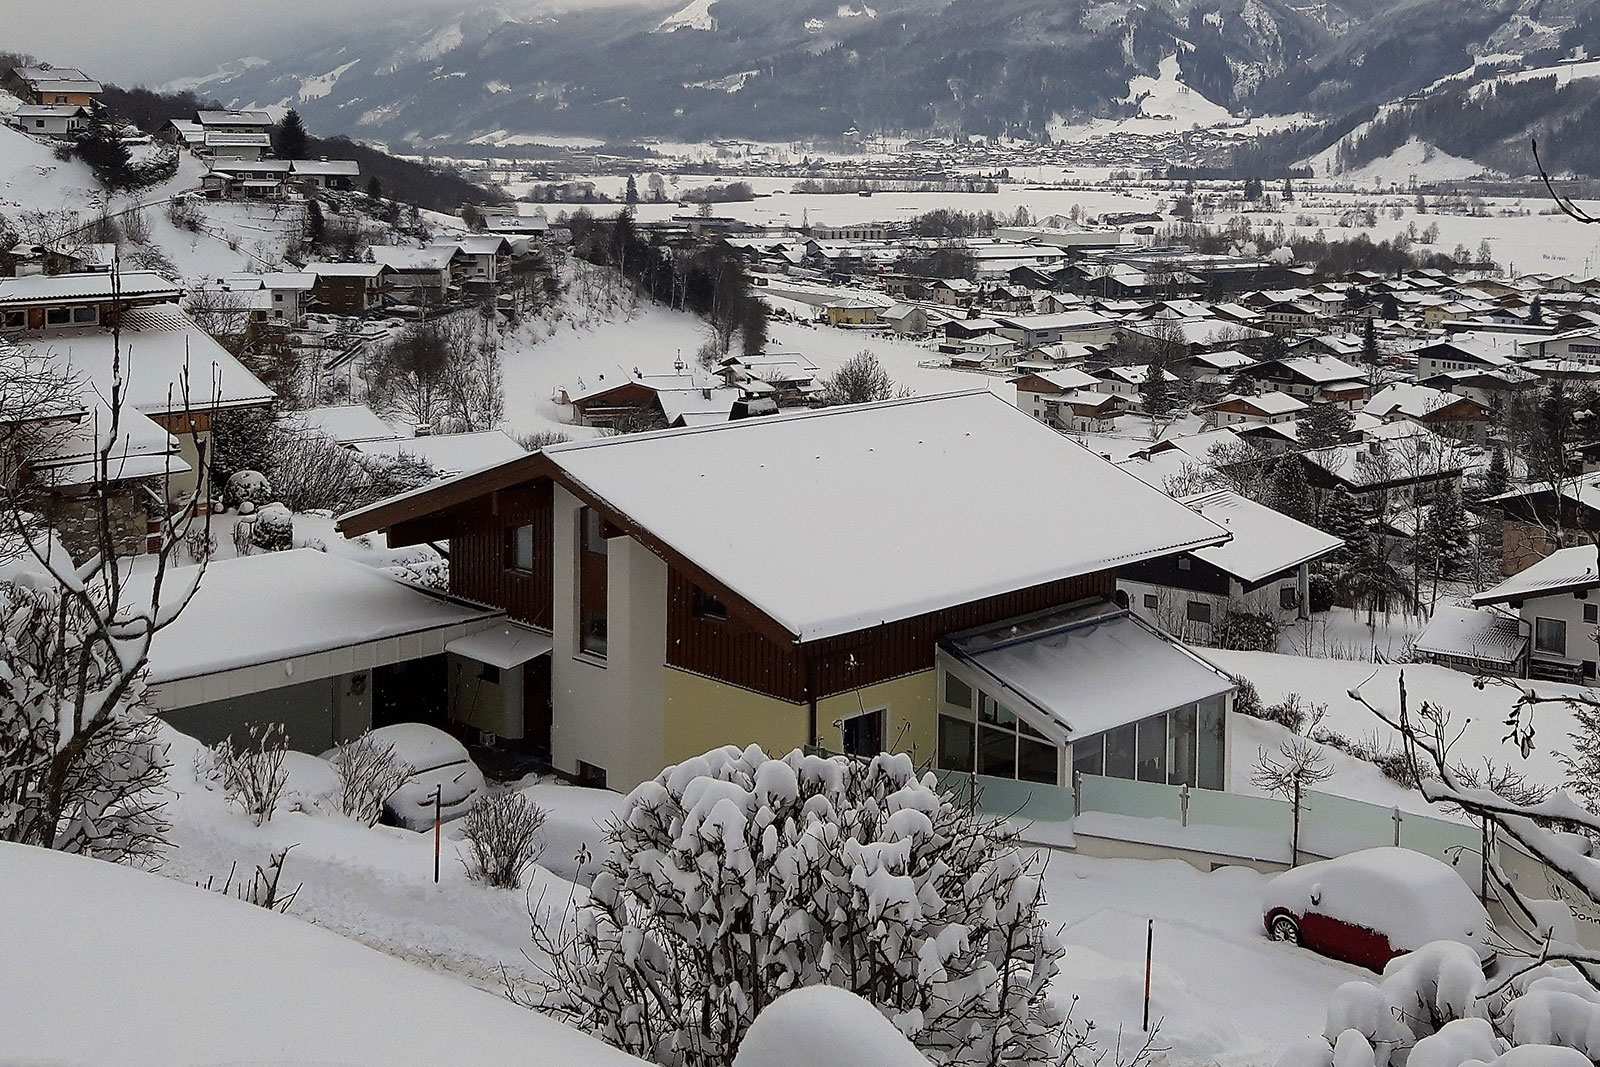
x=413 y=259
x=82 y=288
x=450 y=453
x=854 y=503
x=272 y=606
x=1566 y=570
x=162 y=353
x=345 y=423
x=1265 y=542
x=1274 y=403
x=1089 y=668
x=1467 y=633
x=233 y=118
x=1411 y=401
x=48 y=79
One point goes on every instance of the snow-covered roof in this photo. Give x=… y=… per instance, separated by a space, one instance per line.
x=1559 y=572
x=1067 y=378
x=695 y=405
x=1321 y=370
x=346 y=270
x=450 y=453
x=233 y=118
x=413 y=259
x=1089 y=668
x=327 y=168
x=274 y=606
x=50 y=111
x=47 y=79
x=81 y=288
x=1409 y=400
x=1467 y=633
x=854 y=502
x=345 y=423
x=504 y=646
x=213 y=139
x=140 y=449
x=1265 y=542
x=1273 y=403
x=162 y=351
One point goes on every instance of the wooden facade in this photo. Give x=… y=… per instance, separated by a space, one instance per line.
x=734 y=652
x=479 y=536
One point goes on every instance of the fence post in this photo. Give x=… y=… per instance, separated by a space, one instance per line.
x=1397 y=820
x=1077 y=792
x=1183 y=803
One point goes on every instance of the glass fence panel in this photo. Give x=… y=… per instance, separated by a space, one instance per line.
x=1208 y=807
x=1122 y=796
x=1007 y=796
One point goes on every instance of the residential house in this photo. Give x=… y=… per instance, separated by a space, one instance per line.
x=1573 y=346
x=1077 y=326
x=1129 y=381
x=1263 y=409
x=1067 y=400
x=985 y=352
x=639 y=571
x=449 y=454
x=418 y=276
x=324 y=173
x=1451 y=416
x=906 y=319
x=852 y=313
x=479 y=259
x=1393 y=479
x=1540 y=518
x=1476 y=640
x=1460 y=353
x=952 y=292
x=1314 y=379
x=1263 y=570
x=349 y=288
x=44 y=85
x=51 y=120
x=1557 y=601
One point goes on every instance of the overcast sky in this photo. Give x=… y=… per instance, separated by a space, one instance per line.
x=135 y=42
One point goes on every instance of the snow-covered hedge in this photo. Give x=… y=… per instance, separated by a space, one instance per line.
x=734 y=877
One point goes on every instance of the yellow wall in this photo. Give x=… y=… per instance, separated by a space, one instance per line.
x=702 y=714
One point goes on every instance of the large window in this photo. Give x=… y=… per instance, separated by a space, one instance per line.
x=593 y=590
x=979 y=733
x=864 y=734
x=1184 y=746
x=1550 y=636
x=519 y=548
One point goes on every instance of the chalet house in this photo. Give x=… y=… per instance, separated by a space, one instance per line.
x=419 y=276
x=1557 y=601
x=1540 y=518
x=986 y=352
x=1286 y=316
x=172 y=372
x=1265 y=409
x=670 y=592
x=1576 y=346
x=1068 y=400
x=349 y=288
x=1458 y=354
x=852 y=313
x=230 y=135
x=325 y=173
x=1390 y=479
x=51 y=120
x=1128 y=381
x=1322 y=379
x=48 y=86
x=1264 y=569
x=1488 y=388
x=1459 y=417
x=479 y=260
x=657 y=400
x=907 y=319
x=1034 y=331
x=277 y=299
x=246 y=179
x=952 y=292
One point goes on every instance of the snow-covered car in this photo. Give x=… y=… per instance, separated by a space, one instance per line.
x=438 y=762
x=1370 y=906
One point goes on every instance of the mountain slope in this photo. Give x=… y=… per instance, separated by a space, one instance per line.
x=790 y=68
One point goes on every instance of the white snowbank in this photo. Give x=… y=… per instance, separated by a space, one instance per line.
x=822 y=1026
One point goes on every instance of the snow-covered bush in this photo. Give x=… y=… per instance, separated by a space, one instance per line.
x=1433 y=1008
x=273 y=529
x=734 y=877
x=368 y=770
x=252 y=772
x=247 y=487
x=502 y=833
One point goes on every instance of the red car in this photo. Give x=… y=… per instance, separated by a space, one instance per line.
x=1370 y=906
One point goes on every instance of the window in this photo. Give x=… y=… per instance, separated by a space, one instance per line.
x=57 y=316
x=1089 y=755
x=1153 y=748
x=590 y=775
x=1288 y=597
x=519 y=548
x=864 y=734
x=13 y=320
x=85 y=316
x=1121 y=744
x=1184 y=563
x=593 y=591
x=488 y=672
x=957 y=692
x=955 y=743
x=1199 y=611
x=709 y=608
x=1150 y=601
x=1550 y=636
x=1591 y=613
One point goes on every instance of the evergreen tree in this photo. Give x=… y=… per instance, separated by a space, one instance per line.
x=291 y=137
x=1155 y=390
x=1369 y=344
x=1495 y=480
x=1536 y=312
x=1391 y=307
x=102 y=149
x=1582 y=763
x=1252 y=188
x=1446 y=538
x=1342 y=516
x=632 y=196
x=316 y=227
x=374 y=188
x=1324 y=425
x=1274 y=347
x=1288 y=493
x=1288 y=191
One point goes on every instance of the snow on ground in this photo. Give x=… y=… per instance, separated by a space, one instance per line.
x=1223 y=994
x=201 y=978
x=319 y=86
x=1343 y=633
x=539 y=360
x=1426 y=162
x=1478 y=713
x=1166 y=105
x=696 y=15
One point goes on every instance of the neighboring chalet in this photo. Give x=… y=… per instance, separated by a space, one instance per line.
x=1458 y=417
x=788 y=581
x=1068 y=400
x=1263 y=410
x=223 y=135
x=1557 y=601
x=51 y=120
x=1393 y=479
x=349 y=288
x=47 y=86
x=1459 y=354
x=653 y=401
x=1264 y=570
x=1539 y=518
x=420 y=276
x=1314 y=379
x=1477 y=640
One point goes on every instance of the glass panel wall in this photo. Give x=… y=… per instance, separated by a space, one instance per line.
x=979 y=733
x=1184 y=746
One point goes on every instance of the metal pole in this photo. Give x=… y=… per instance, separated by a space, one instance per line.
x=437 y=822
x=1149 y=949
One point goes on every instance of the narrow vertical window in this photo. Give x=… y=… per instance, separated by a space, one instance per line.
x=592 y=584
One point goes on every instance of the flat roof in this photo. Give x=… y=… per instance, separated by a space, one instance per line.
x=840 y=519
x=274 y=606
x=1089 y=668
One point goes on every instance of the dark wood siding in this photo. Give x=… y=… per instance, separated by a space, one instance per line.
x=734 y=653
x=478 y=552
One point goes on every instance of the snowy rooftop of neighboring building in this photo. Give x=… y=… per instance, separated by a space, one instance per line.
x=1062 y=320
x=234 y=118
x=1089 y=668
x=1066 y=378
x=327 y=168
x=1267 y=403
x=141 y=449
x=1265 y=542
x=853 y=500
x=161 y=350
x=413 y=259
x=450 y=453
x=1322 y=369
x=48 y=79
x=274 y=606
x=50 y=111
x=346 y=270
x=347 y=424
x=1409 y=400
x=81 y=288
x=1467 y=633
x=1567 y=569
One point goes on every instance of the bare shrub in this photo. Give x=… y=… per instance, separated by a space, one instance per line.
x=502 y=830
x=262 y=888
x=252 y=773
x=541 y=438
x=369 y=771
